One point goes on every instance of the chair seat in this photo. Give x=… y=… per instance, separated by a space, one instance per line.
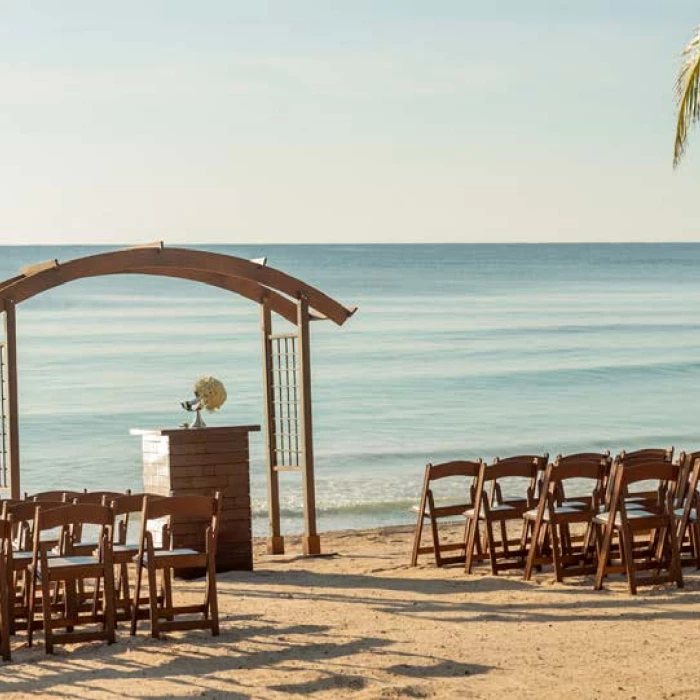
x=72 y=562
x=678 y=512
x=121 y=548
x=500 y=508
x=636 y=514
x=168 y=554
x=558 y=510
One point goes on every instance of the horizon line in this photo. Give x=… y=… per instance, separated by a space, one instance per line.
x=348 y=243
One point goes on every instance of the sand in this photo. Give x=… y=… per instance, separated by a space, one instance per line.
x=363 y=624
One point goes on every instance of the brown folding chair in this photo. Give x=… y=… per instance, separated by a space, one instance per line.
x=467 y=473
x=6 y=588
x=67 y=569
x=556 y=513
x=202 y=510
x=654 y=520
x=504 y=505
x=23 y=514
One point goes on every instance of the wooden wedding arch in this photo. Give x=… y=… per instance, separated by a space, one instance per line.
x=286 y=356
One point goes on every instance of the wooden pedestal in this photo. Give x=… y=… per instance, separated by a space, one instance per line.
x=200 y=462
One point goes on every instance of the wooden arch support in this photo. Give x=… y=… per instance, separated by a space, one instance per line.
x=176 y=262
x=274 y=290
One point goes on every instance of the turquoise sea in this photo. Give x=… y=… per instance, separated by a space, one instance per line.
x=457 y=351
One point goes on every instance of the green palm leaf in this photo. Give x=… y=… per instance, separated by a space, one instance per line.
x=687 y=95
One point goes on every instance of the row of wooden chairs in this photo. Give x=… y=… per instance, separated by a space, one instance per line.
x=55 y=576
x=638 y=516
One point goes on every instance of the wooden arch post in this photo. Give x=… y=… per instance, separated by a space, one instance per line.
x=289 y=421
x=12 y=401
x=311 y=542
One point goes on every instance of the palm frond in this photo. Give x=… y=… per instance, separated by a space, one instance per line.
x=687 y=95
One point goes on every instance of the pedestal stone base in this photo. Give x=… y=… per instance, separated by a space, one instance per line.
x=202 y=461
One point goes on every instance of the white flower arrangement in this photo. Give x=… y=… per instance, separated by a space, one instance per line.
x=210 y=392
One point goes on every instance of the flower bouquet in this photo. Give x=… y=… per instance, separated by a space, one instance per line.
x=209 y=393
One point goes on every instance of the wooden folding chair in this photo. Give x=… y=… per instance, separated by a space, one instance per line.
x=654 y=520
x=6 y=588
x=23 y=515
x=204 y=510
x=467 y=473
x=67 y=569
x=556 y=513
x=502 y=507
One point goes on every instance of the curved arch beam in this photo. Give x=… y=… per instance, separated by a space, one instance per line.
x=245 y=288
x=174 y=260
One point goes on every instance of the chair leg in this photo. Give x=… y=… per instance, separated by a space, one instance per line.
x=168 y=590
x=108 y=605
x=492 y=547
x=603 y=554
x=212 y=600
x=417 y=539
x=473 y=535
x=137 y=599
x=46 y=598
x=436 y=541
x=153 y=599
x=5 y=593
x=504 y=538
x=71 y=603
x=124 y=588
x=675 y=565
x=556 y=551
x=534 y=551
x=31 y=600
x=627 y=549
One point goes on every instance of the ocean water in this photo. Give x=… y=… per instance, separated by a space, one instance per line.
x=457 y=351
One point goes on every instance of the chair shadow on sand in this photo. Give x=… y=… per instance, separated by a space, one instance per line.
x=582 y=602
x=69 y=673
x=200 y=666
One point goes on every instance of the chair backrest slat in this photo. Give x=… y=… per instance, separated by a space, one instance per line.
x=132 y=503
x=648 y=471
x=587 y=465
x=202 y=507
x=98 y=497
x=454 y=468
x=73 y=514
x=653 y=454
x=54 y=495
x=525 y=466
x=24 y=511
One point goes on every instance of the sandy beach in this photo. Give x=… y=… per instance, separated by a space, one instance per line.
x=361 y=623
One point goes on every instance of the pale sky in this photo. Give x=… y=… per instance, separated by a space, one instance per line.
x=343 y=122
